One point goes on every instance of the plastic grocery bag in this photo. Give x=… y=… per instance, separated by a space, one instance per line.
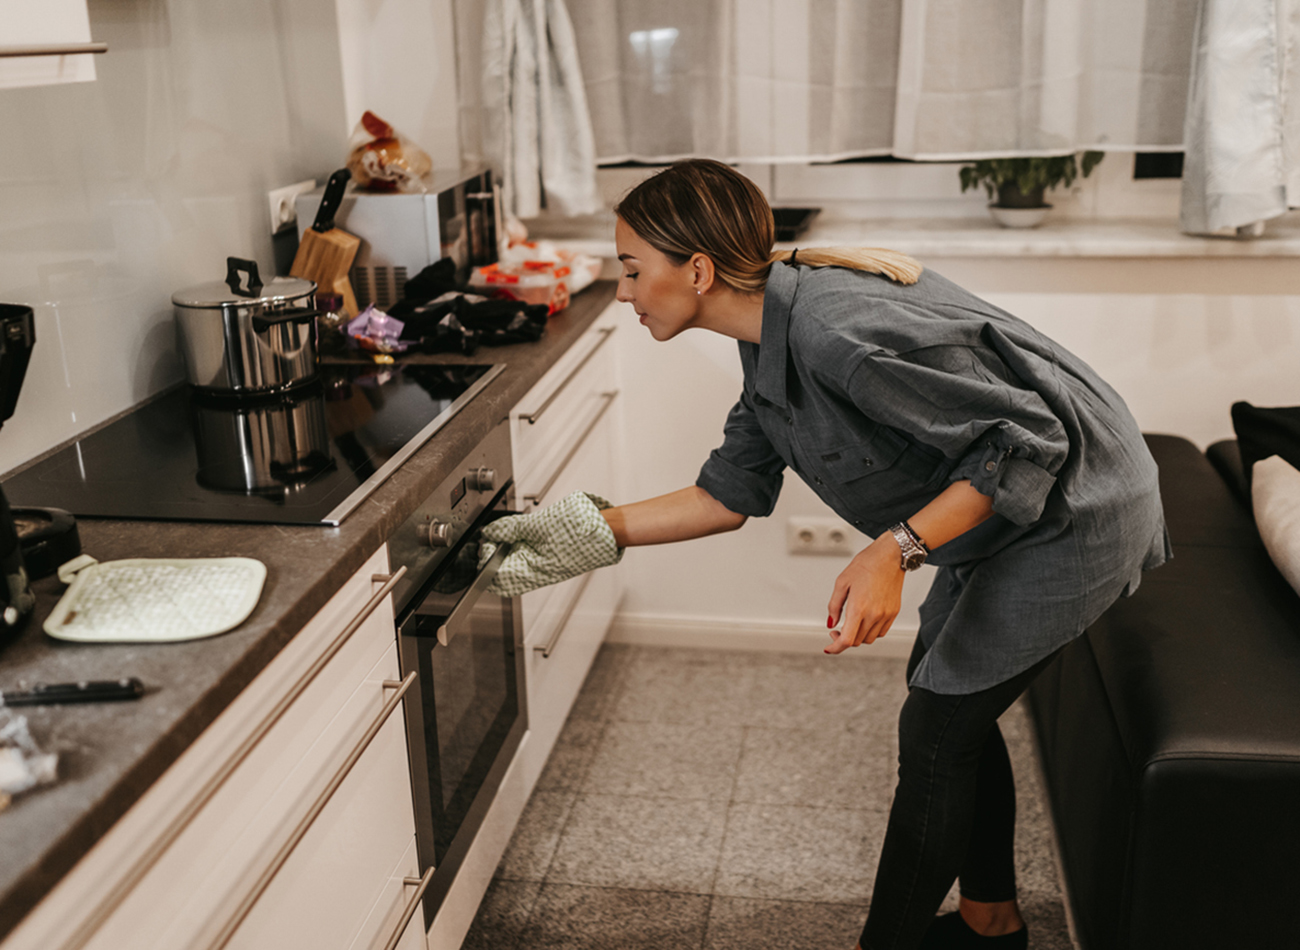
x=381 y=159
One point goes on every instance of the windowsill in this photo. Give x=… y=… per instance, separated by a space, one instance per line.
x=982 y=237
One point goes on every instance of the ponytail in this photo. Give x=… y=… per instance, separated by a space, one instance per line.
x=703 y=206
x=895 y=265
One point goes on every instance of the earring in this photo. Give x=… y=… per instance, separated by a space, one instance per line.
x=697 y=293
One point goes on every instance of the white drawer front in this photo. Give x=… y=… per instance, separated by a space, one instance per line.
x=193 y=842
x=566 y=396
x=391 y=910
x=555 y=680
x=590 y=469
x=332 y=876
x=323 y=892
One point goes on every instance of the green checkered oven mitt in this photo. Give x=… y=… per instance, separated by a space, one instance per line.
x=551 y=545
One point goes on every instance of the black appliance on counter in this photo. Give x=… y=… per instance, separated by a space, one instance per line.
x=466 y=714
x=308 y=455
x=17 y=336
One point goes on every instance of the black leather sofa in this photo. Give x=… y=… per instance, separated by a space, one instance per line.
x=1170 y=735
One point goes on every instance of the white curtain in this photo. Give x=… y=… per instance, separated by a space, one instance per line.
x=1243 y=115
x=524 y=104
x=800 y=80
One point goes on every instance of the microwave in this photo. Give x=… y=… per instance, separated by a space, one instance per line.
x=401 y=234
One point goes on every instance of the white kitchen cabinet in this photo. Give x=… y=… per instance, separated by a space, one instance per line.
x=49 y=24
x=572 y=446
x=280 y=826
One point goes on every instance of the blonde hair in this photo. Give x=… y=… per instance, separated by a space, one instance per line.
x=703 y=206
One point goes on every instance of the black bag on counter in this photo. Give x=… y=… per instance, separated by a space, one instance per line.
x=440 y=319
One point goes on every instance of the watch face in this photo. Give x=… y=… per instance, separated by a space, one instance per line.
x=914 y=560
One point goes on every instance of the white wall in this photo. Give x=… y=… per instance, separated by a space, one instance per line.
x=118 y=192
x=399 y=62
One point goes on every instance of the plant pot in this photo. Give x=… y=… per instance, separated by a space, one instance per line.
x=1010 y=196
x=1019 y=217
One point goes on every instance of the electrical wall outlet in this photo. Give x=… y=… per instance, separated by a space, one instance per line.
x=283 y=213
x=812 y=535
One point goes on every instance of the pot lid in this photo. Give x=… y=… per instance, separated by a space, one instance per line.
x=243 y=287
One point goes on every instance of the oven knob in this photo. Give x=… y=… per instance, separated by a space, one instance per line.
x=482 y=479
x=436 y=534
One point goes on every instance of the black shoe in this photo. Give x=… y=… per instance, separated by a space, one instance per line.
x=950 y=932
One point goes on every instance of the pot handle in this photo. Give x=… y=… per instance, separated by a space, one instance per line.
x=264 y=321
x=233 y=266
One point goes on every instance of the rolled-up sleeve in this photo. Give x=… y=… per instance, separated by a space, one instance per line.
x=1004 y=438
x=745 y=472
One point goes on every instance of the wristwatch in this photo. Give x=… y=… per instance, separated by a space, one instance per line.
x=910 y=544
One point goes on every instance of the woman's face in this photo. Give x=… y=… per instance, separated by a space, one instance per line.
x=663 y=293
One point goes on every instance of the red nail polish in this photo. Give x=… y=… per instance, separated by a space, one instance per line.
x=830 y=623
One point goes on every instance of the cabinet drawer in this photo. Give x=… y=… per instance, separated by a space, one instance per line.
x=398 y=907
x=171 y=871
x=590 y=469
x=330 y=879
x=555 y=680
x=549 y=418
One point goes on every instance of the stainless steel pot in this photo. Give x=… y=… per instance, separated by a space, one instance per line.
x=253 y=338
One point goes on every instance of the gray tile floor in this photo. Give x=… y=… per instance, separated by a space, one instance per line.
x=716 y=800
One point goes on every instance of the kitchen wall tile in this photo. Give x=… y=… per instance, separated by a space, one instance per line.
x=597 y=918
x=666 y=760
x=116 y=193
x=686 y=686
x=502 y=915
x=741 y=924
x=647 y=843
x=803 y=853
x=827 y=768
x=531 y=849
x=566 y=768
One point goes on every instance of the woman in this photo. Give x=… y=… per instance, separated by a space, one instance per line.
x=944 y=427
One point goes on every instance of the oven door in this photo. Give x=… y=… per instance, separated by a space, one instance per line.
x=466 y=714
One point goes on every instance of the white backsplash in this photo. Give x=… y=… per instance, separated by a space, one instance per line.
x=116 y=193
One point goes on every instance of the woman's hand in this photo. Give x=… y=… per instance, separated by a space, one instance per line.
x=869 y=592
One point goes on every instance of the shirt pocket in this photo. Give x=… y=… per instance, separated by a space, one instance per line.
x=885 y=462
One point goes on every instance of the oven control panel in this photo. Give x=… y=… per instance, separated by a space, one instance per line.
x=425 y=538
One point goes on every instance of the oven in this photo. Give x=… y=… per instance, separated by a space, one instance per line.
x=465 y=715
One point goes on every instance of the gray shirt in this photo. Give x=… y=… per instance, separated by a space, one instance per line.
x=880 y=395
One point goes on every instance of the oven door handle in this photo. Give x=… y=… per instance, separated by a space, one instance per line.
x=450 y=627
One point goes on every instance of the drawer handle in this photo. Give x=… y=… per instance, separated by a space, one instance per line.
x=67 y=49
x=465 y=605
x=304 y=824
x=536 y=497
x=532 y=417
x=136 y=872
x=420 y=884
x=548 y=648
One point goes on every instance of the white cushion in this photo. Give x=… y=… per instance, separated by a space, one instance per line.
x=1275 y=496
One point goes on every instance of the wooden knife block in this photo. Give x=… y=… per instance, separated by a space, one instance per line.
x=326 y=258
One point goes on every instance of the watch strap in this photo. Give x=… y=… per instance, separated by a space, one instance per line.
x=912 y=549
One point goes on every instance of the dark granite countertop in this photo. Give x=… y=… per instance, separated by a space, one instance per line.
x=110 y=753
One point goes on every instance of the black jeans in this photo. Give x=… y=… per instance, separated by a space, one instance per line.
x=954 y=811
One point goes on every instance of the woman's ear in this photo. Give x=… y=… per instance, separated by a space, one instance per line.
x=701 y=273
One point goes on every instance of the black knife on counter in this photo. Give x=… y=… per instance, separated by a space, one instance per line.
x=83 y=692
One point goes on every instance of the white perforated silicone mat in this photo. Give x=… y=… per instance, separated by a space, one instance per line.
x=146 y=600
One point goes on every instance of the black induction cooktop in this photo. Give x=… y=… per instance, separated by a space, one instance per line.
x=308 y=456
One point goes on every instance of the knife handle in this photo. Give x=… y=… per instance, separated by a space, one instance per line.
x=330 y=201
x=83 y=692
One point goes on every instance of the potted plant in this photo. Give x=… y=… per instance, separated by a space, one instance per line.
x=1018 y=184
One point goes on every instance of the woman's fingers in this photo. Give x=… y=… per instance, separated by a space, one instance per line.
x=838 y=595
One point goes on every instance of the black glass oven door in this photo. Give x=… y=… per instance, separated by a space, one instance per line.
x=465 y=721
